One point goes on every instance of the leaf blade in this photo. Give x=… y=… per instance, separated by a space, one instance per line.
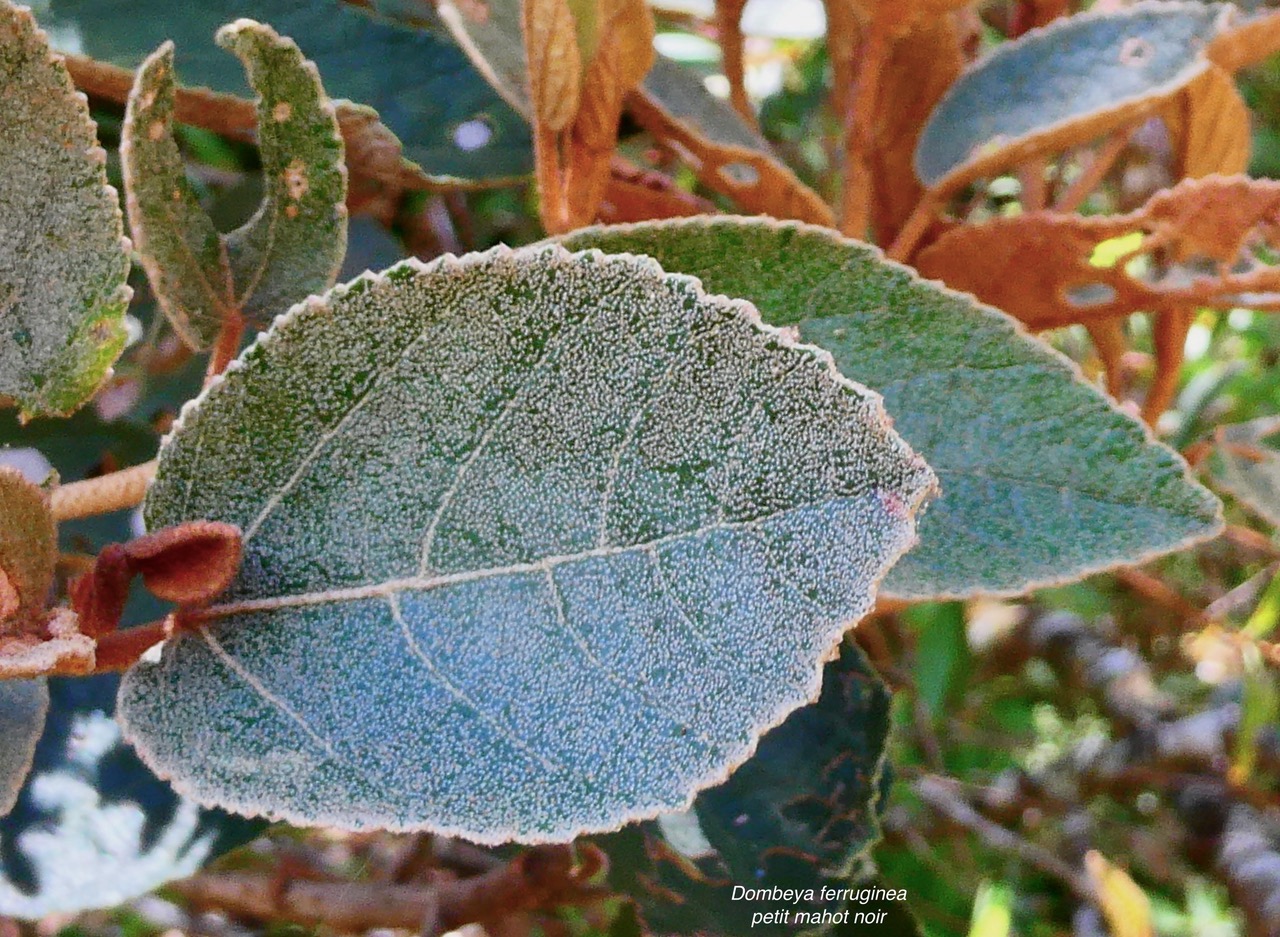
x=940 y=360
x=63 y=255
x=569 y=505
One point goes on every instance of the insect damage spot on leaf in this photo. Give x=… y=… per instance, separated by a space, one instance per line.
x=63 y=257
x=524 y=504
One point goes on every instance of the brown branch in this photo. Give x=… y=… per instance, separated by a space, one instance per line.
x=1093 y=174
x=102 y=495
x=542 y=878
x=941 y=795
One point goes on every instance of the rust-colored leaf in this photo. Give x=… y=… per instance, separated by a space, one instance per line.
x=188 y=564
x=583 y=57
x=633 y=194
x=733 y=52
x=921 y=66
x=28 y=551
x=555 y=70
x=1191 y=246
x=1209 y=126
x=757 y=182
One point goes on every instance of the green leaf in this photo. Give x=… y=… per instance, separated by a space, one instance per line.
x=535 y=544
x=796 y=816
x=63 y=257
x=1247 y=467
x=294 y=244
x=425 y=90
x=23 y=706
x=1070 y=82
x=1043 y=479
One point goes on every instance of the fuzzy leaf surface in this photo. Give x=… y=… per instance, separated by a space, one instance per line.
x=1043 y=480
x=23 y=706
x=28 y=551
x=499 y=514
x=294 y=244
x=423 y=87
x=796 y=815
x=1076 y=79
x=63 y=257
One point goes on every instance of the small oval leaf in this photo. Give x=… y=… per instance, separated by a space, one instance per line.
x=1043 y=479
x=1066 y=83
x=534 y=544
x=28 y=552
x=63 y=256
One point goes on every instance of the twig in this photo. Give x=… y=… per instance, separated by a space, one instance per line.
x=940 y=794
x=1093 y=174
x=102 y=495
x=542 y=878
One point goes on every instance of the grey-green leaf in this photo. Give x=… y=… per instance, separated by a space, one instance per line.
x=63 y=257
x=535 y=544
x=23 y=706
x=1085 y=68
x=1247 y=466
x=1043 y=479
x=292 y=247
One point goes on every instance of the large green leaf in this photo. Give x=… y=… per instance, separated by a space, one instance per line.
x=797 y=816
x=1043 y=479
x=1085 y=74
x=535 y=544
x=23 y=705
x=63 y=257
x=450 y=122
x=291 y=247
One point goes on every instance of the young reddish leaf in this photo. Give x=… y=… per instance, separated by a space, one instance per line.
x=188 y=564
x=28 y=552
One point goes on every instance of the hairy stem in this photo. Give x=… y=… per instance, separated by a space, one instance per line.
x=104 y=494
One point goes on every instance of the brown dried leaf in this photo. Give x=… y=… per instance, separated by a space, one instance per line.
x=28 y=552
x=1209 y=125
x=1246 y=43
x=1198 y=247
x=633 y=194
x=555 y=69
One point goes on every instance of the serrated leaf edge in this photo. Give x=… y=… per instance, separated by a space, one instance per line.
x=450 y=263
